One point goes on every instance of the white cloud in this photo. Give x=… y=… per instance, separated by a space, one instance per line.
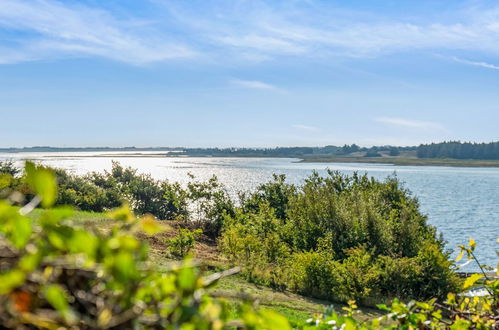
x=306 y=128
x=53 y=29
x=401 y=122
x=273 y=29
x=255 y=84
x=246 y=30
x=475 y=63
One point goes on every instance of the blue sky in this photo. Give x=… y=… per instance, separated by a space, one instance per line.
x=247 y=73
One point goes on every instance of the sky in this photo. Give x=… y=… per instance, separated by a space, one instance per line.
x=247 y=73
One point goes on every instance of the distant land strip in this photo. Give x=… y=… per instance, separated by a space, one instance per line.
x=451 y=153
x=407 y=161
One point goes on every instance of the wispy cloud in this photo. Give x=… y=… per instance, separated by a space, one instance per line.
x=246 y=30
x=402 y=122
x=254 y=84
x=476 y=63
x=50 y=28
x=269 y=28
x=306 y=128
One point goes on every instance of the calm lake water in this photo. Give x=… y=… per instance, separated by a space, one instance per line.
x=460 y=202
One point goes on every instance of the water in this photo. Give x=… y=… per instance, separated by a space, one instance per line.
x=461 y=202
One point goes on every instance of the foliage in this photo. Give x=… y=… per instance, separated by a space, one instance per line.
x=372 y=153
x=352 y=224
x=459 y=150
x=277 y=193
x=100 y=192
x=55 y=275
x=343 y=238
x=85 y=193
x=394 y=151
x=210 y=203
x=9 y=179
x=456 y=312
x=253 y=240
x=8 y=167
x=182 y=244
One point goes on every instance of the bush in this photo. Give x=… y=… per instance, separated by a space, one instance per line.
x=314 y=274
x=276 y=193
x=82 y=193
x=145 y=195
x=253 y=240
x=183 y=243
x=455 y=312
x=372 y=153
x=8 y=167
x=341 y=238
x=210 y=204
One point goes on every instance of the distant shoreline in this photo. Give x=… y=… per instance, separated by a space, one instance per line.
x=396 y=161
x=406 y=161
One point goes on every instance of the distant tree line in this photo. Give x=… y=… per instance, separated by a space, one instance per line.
x=459 y=150
x=329 y=150
x=450 y=149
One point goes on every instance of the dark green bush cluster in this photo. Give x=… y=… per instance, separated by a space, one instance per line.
x=339 y=238
x=99 y=192
x=201 y=202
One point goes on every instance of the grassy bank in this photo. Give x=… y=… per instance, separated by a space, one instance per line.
x=406 y=161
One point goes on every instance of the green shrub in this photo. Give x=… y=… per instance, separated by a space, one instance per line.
x=314 y=274
x=276 y=193
x=210 y=204
x=8 y=167
x=145 y=195
x=341 y=238
x=253 y=240
x=183 y=243
x=455 y=312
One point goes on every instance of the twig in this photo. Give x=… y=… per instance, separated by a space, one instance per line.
x=215 y=277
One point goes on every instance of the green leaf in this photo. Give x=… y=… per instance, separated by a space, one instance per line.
x=30 y=261
x=55 y=215
x=17 y=229
x=84 y=242
x=10 y=280
x=383 y=307
x=273 y=320
x=150 y=225
x=21 y=231
x=56 y=296
x=460 y=325
x=187 y=278
x=122 y=213
x=5 y=180
x=43 y=182
x=471 y=280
